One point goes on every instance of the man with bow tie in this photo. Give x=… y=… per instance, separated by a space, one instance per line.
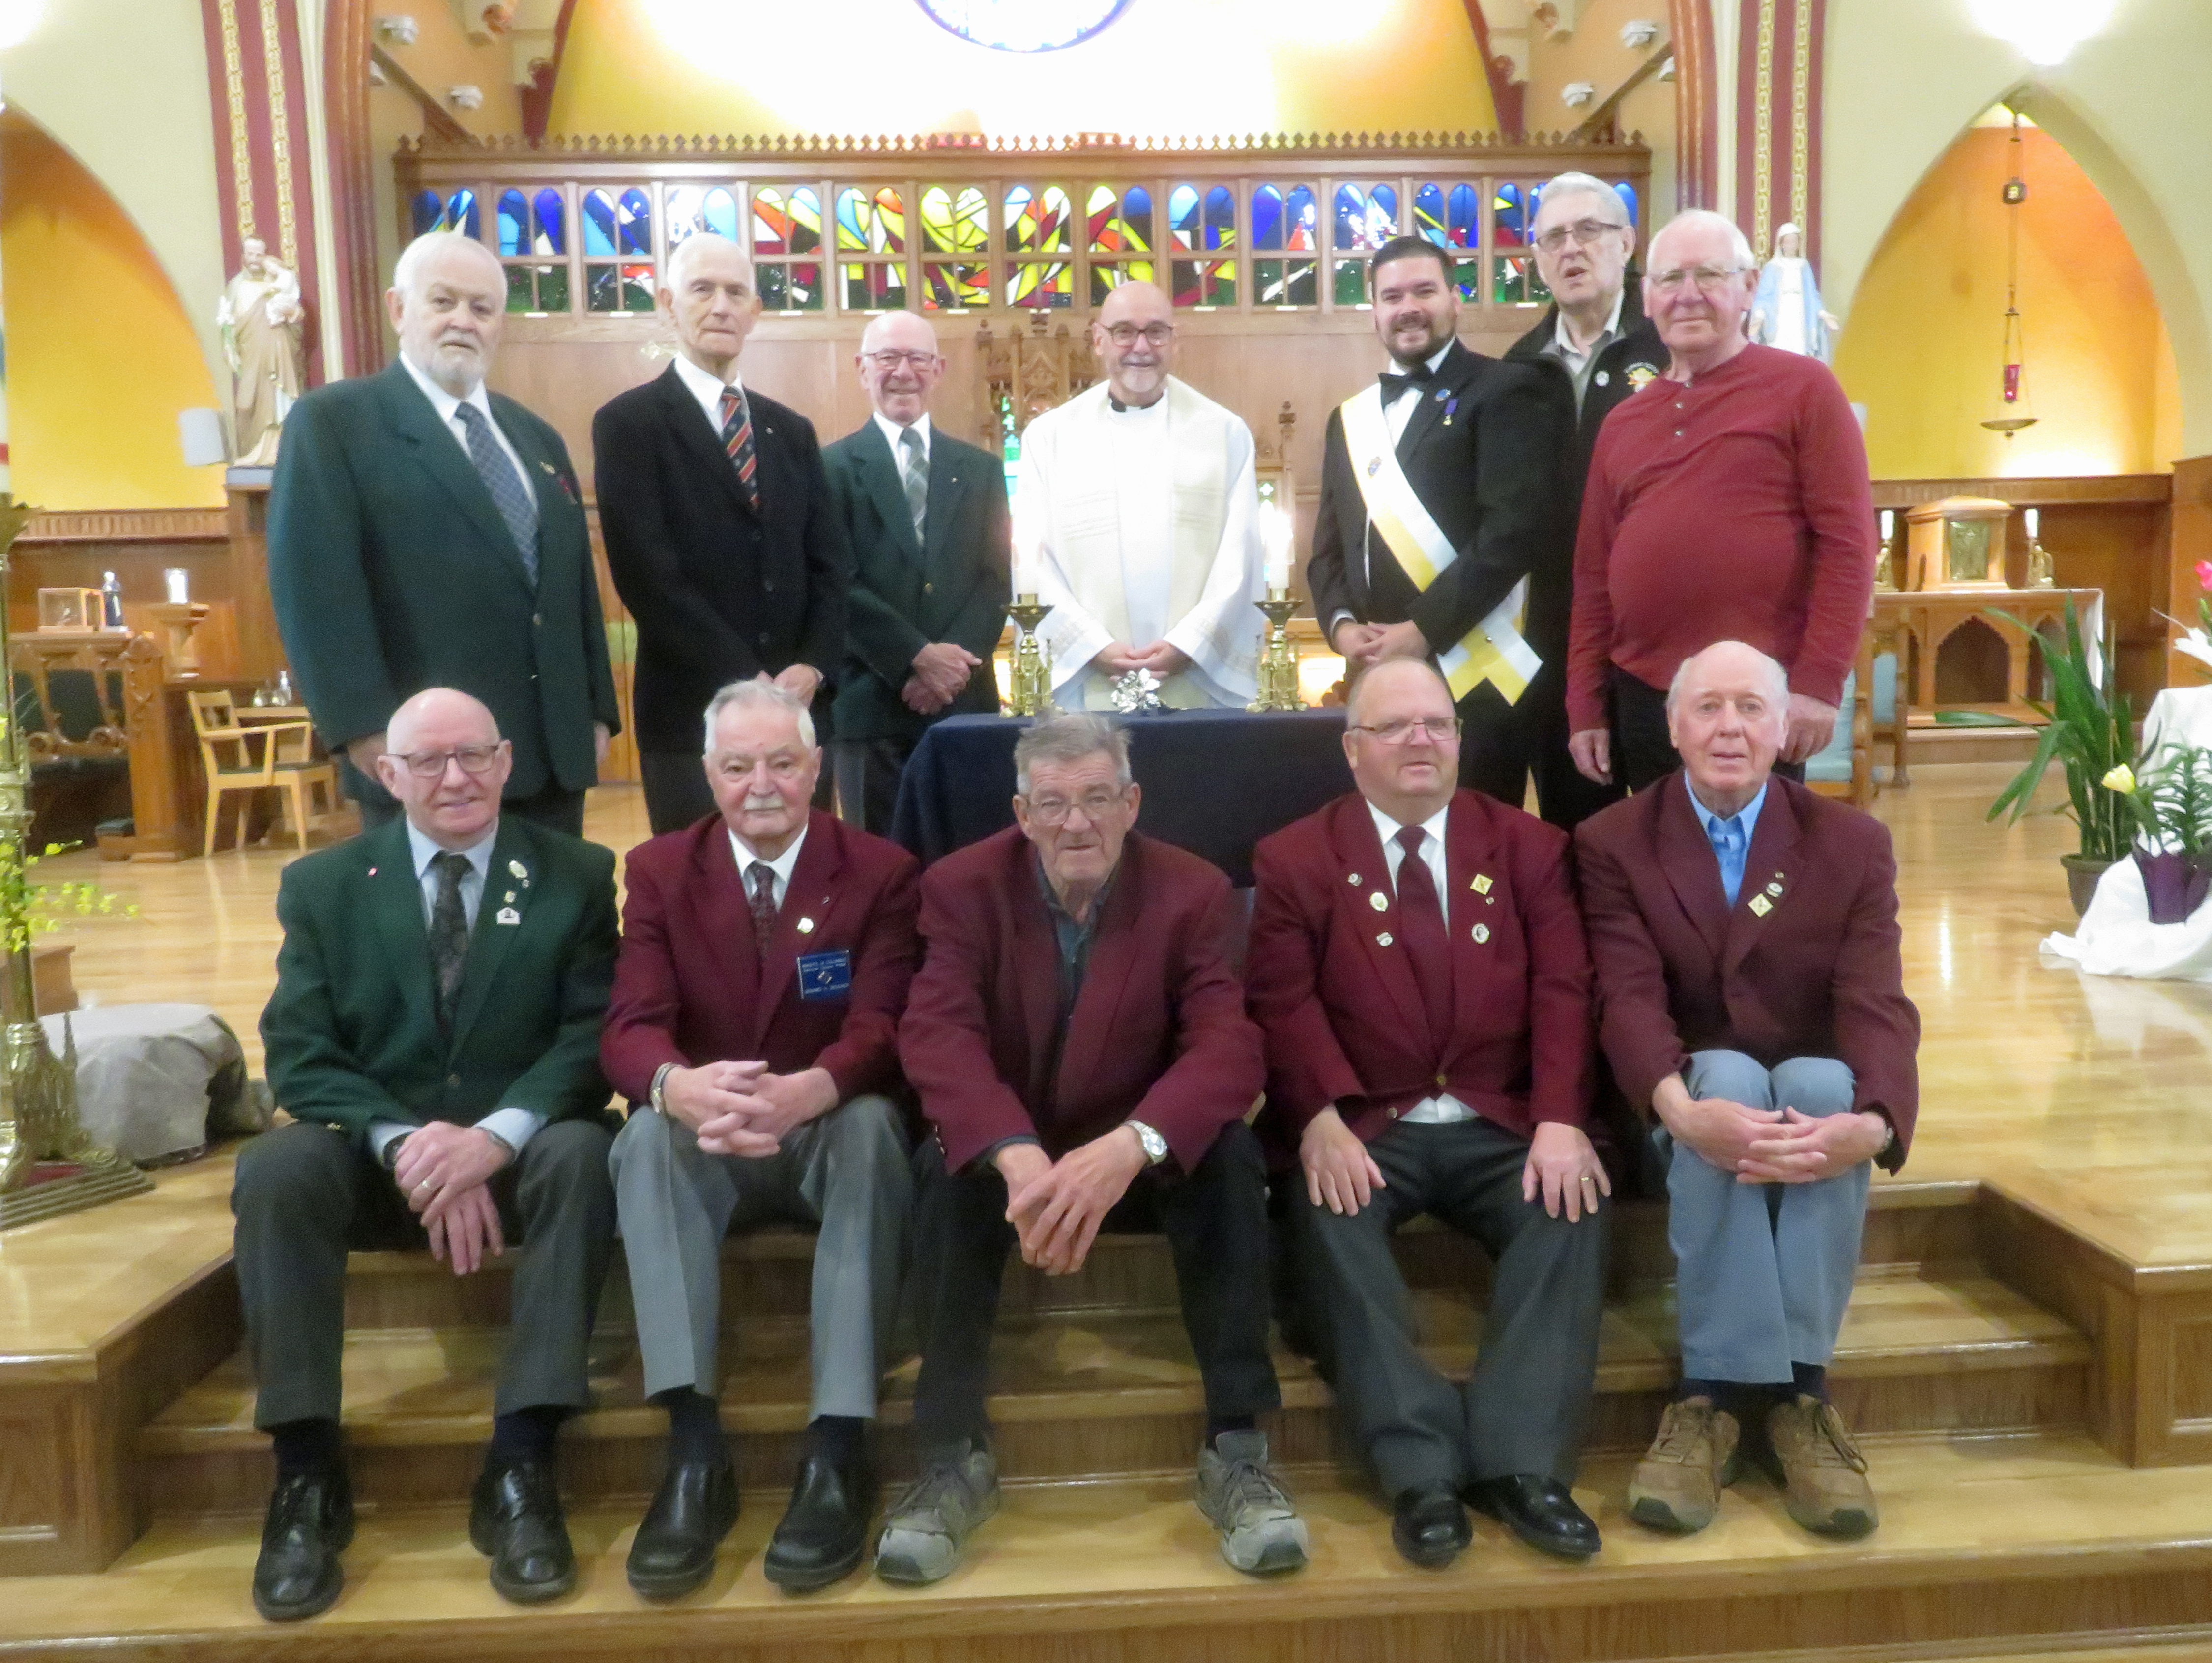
x=766 y=953
x=721 y=535
x=1417 y=966
x=1446 y=488
x=1748 y=966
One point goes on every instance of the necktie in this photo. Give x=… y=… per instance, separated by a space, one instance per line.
x=1428 y=944
x=509 y=494
x=762 y=877
x=449 y=933
x=913 y=470
x=738 y=441
x=1727 y=838
x=1392 y=384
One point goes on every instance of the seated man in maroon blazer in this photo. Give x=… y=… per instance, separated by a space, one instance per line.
x=765 y=957
x=1080 y=1040
x=1417 y=965
x=1745 y=934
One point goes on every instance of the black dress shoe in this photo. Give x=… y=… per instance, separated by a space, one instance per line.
x=514 y=1519
x=1541 y=1512
x=1430 y=1526
x=824 y=1531
x=673 y=1552
x=310 y=1522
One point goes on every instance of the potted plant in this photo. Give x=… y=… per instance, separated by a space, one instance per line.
x=2170 y=799
x=2091 y=729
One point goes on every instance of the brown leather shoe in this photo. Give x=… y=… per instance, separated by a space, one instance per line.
x=1823 y=1476
x=1678 y=1484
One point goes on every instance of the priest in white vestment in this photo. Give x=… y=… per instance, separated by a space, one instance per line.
x=1136 y=517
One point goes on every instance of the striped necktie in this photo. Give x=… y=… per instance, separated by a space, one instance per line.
x=914 y=472
x=510 y=493
x=738 y=441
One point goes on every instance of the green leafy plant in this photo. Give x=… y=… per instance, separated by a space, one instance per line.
x=28 y=907
x=2088 y=729
x=2170 y=798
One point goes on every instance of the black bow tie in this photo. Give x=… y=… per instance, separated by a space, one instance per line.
x=1419 y=375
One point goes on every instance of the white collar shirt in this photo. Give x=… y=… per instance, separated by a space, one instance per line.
x=478 y=855
x=892 y=430
x=448 y=408
x=1579 y=363
x=703 y=387
x=1400 y=410
x=782 y=867
x=1443 y=1108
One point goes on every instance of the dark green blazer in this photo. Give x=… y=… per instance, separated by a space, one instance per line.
x=391 y=571
x=950 y=586
x=351 y=1032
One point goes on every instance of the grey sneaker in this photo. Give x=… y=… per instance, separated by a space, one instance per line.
x=1261 y=1531
x=931 y=1518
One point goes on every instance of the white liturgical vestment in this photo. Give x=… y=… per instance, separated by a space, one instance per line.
x=1145 y=528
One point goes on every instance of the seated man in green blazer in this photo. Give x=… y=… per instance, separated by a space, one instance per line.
x=434 y=1035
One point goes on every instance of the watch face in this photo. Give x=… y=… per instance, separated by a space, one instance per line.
x=1023 y=26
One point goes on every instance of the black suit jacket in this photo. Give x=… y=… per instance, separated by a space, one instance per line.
x=391 y=571
x=719 y=593
x=1487 y=451
x=950 y=587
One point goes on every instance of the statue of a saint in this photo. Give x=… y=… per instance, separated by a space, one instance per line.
x=261 y=318
x=1786 y=312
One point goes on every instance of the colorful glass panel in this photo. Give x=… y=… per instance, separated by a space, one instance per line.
x=950 y=285
x=1105 y=279
x=795 y=286
x=1517 y=282
x=786 y=219
x=1513 y=210
x=874 y=285
x=457 y=212
x=1120 y=223
x=1041 y=283
x=633 y=221
x=602 y=224
x=549 y=220
x=538 y=288
x=954 y=225
x=871 y=223
x=428 y=208
x=695 y=207
x=1626 y=192
x=514 y=224
x=626 y=287
x=1037 y=222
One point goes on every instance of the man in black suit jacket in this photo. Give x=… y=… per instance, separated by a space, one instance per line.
x=1595 y=339
x=719 y=530
x=1481 y=449
x=926 y=516
x=424 y=532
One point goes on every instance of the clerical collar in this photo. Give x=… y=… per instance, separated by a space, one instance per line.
x=1120 y=409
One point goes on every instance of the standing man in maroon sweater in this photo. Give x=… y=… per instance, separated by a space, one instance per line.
x=1728 y=499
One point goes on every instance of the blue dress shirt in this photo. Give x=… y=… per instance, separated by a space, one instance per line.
x=1730 y=838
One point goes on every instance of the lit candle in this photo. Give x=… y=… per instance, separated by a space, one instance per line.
x=1275 y=537
x=1027 y=556
x=2034 y=525
x=180 y=584
x=1889 y=524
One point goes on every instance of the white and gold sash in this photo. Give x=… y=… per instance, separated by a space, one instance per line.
x=1493 y=650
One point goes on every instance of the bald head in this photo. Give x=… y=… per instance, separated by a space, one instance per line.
x=1727 y=711
x=444 y=761
x=899 y=367
x=708 y=248
x=1390 y=676
x=709 y=291
x=448 y=303
x=1134 y=339
x=442 y=712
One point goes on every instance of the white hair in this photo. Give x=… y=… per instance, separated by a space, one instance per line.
x=1070 y=737
x=1770 y=671
x=1690 y=219
x=408 y=272
x=1357 y=694
x=759 y=696
x=1575 y=183
x=680 y=257
x=877 y=323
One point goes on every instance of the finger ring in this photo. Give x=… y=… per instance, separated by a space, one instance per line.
x=1587 y=1179
x=420 y=1187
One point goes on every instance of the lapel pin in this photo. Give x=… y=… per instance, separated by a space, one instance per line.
x=1379 y=902
x=1374 y=467
x=1774 y=890
x=508 y=897
x=806 y=926
x=548 y=466
x=372 y=872
x=1382 y=940
x=508 y=915
x=515 y=868
x=1760 y=905
x=1482 y=884
x=1482 y=933
x=1605 y=378
x=1352 y=878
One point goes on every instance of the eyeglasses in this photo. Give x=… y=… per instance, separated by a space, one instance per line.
x=1583 y=233
x=1096 y=806
x=473 y=759
x=1439 y=728
x=889 y=362
x=1152 y=335
x=1709 y=279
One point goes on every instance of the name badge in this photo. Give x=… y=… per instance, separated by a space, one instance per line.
x=825 y=975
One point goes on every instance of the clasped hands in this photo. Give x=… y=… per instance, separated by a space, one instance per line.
x=741 y=1108
x=941 y=669
x=1366 y=645
x=1057 y=1206
x=1562 y=1165
x=441 y=1171
x=1163 y=658
x=1768 y=1145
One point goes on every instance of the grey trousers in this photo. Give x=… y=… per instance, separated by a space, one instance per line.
x=304 y=1195
x=1524 y=1409
x=847 y=1172
x=1764 y=1270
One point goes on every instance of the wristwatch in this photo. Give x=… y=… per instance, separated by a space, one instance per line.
x=660 y=1078
x=1156 y=1147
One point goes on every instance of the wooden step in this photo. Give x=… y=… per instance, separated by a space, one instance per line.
x=1987 y=1548
x=1110 y=1394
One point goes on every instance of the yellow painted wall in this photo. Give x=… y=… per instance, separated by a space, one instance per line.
x=100 y=355
x=1922 y=348
x=1165 y=67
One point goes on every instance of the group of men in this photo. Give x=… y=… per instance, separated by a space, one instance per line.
x=1063 y=1028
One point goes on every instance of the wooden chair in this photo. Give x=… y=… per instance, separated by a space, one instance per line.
x=238 y=758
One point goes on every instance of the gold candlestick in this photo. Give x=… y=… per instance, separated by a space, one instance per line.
x=1032 y=677
x=1279 y=664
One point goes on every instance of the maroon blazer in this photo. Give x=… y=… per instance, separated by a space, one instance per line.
x=692 y=989
x=1342 y=1013
x=1158 y=1033
x=1819 y=973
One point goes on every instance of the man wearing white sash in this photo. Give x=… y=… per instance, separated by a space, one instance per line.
x=1136 y=519
x=1444 y=487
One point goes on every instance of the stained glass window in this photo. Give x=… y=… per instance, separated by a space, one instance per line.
x=1039 y=222
x=1023 y=26
x=616 y=223
x=457 y=212
x=1449 y=217
x=1517 y=282
x=1626 y=192
x=1514 y=208
x=623 y=287
x=872 y=246
x=533 y=287
x=1118 y=226
x=1362 y=219
x=1514 y=279
x=711 y=209
x=787 y=246
x=1285 y=222
x=1204 y=224
x=956 y=243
